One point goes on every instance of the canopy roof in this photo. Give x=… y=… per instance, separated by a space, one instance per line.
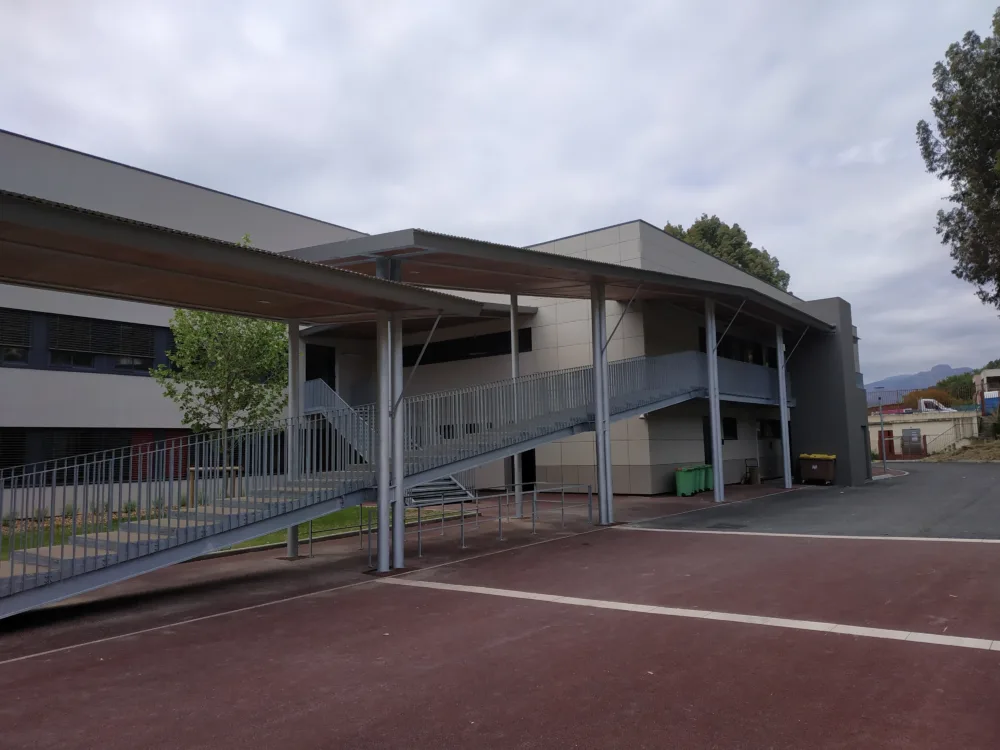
x=441 y=261
x=55 y=246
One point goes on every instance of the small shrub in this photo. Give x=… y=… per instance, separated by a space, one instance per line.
x=69 y=510
x=157 y=505
x=41 y=515
x=182 y=501
x=129 y=507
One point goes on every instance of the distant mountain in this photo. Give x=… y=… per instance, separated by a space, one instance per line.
x=918 y=379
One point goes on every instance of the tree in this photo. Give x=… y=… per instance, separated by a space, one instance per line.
x=958 y=386
x=964 y=149
x=730 y=243
x=226 y=371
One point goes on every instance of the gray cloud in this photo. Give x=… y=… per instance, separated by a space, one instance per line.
x=522 y=122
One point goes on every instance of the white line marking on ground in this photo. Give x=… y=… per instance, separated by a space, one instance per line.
x=812 y=536
x=284 y=600
x=772 y=622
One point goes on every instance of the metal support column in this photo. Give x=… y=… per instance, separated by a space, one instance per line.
x=786 y=456
x=382 y=458
x=714 y=407
x=399 y=510
x=515 y=370
x=606 y=402
x=294 y=424
x=603 y=449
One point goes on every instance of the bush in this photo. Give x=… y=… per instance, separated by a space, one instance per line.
x=943 y=397
x=69 y=510
x=129 y=507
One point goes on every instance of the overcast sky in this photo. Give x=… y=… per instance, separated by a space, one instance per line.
x=520 y=123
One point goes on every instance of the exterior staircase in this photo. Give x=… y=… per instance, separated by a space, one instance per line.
x=320 y=398
x=75 y=524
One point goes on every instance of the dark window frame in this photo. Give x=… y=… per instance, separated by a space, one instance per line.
x=468 y=347
x=727 y=433
x=15 y=335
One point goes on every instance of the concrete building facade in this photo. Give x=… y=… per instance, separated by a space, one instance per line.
x=57 y=401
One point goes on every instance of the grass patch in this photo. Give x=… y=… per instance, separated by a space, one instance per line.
x=347 y=519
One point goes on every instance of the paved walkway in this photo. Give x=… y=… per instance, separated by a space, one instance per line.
x=933 y=500
x=626 y=637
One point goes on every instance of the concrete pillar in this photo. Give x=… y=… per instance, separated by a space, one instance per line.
x=515 y=371
x=786 y=456
x=294 y=423
x=601 y=431
x=399 y=509
x=382 y=452
x=714 y=405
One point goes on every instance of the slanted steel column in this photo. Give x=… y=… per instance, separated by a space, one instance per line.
x=399 y=510
x=382 y=454
x=294 y=423
x=786 y=456
x=603 y=449
x=515 y=371
x=714 y=407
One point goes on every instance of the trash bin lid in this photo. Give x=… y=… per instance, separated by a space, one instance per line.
x=827 y=456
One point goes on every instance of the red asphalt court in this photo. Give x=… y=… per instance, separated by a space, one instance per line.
x=383 y=665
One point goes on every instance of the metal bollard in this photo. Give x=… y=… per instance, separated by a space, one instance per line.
x=461 y=510
x=534 y=507
x=562 y=508
x=369 y=537
x=442 y=516
x=499 y=519
x=590 y=504
x=477 y=510
x=420 y=535
x=310 y=539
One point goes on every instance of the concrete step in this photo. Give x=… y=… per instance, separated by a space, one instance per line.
x=16 y=576
x=67 y=559
x=125 y=544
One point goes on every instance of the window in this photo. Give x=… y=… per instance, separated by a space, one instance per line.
x=13 y=354
x=742 y=350
x=729 y=431
x=135 y=364
x=107 y=345
x=60 y=358
x=770 y=429
x=94 y=336
x=15 y=336
x=470 y=347
x=13 y=446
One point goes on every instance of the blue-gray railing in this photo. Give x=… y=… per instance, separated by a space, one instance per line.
x=72 y=516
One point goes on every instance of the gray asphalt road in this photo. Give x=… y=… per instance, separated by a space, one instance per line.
x=935 y=500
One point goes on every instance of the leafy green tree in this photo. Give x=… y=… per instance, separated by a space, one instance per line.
x=958 y=386
x=730 y=243
x=226 y=371
x=964 y=148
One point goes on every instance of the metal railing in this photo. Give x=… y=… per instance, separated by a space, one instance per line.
x=65 y=517
x=319 y=398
